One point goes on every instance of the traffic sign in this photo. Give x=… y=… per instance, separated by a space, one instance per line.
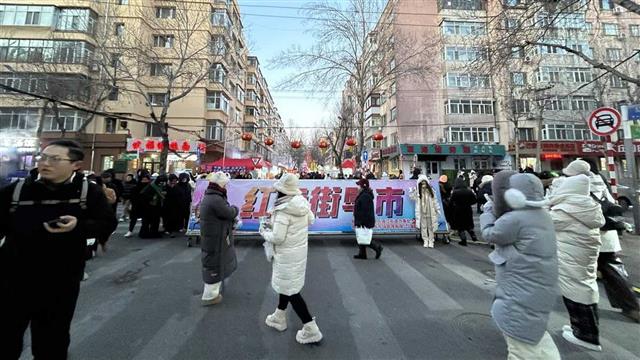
x=365 y=156
x=604 y=121
x=255 y=160
x=634 y=112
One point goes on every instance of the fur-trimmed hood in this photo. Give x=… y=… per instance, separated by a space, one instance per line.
x=525 y=190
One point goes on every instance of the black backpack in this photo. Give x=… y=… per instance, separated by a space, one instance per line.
x=612 y=214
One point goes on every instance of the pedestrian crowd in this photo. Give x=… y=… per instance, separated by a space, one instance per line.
x=552 y=238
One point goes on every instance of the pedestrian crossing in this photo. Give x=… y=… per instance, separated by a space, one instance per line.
x=142 y=301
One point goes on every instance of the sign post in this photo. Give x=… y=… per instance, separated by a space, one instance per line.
x=605 y=121
x=630 y=116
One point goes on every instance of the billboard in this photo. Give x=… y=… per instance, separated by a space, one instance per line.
x=332 y=202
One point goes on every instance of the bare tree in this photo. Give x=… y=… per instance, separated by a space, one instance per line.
x=337 y=130
x=162 y=58
x=353 y=47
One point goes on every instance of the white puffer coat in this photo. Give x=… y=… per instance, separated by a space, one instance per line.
x=610 y=240
x=427 y=209
x=289 y=236
x=577 y=219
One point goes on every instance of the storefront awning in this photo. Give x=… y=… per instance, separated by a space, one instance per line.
x=453 y=149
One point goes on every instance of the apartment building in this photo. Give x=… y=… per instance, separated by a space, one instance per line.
x=478 y=105
x=129 y=58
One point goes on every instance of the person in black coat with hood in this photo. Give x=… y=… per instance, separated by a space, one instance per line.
x=364 y=216
x=184 y=186
x=462 y=200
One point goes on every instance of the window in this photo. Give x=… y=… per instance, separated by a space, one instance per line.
x=165 y=41
x=469 y=107
x=218 y=45
x=519 y=106
x=461 y=4
x=610 y=29
x=218 y=74
x=23 y=15
x=252 y=96
x=511 y=24
x=160 y=69
x=393 y=88
x=122 y=2
x=252 y=111
x=113 y=93
x=165 y=12
x=517 y=52
x=215 y=130
x=464 y=53
x=562 y=19
x=583 y=103
x=614 y=54
x=634 y=30
x=526 y=134
x=74 y=19
x=579 y=75
x=460 y=164
x=463 y=28
x=606 y=4
x=549 y=74
x=518 y=79
x=18 y=119
x=240 y=94
x=158 y=99
x=464 y=80
x=394 y=114
x=216 y=100
x=69 y=120
x=220 y=17
x=119 y=29
x=152 y=130
x=567 y=132
x=115 y=60
x=107 y=162
x=110 y=125
x=557 y=104
x=45 y=51
x=617 y=82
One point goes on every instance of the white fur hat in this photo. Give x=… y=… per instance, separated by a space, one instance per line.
x=577 y=167
x=219 y=178
x=486 y=179
x=288 y=185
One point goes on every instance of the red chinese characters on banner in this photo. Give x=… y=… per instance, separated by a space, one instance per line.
x=389 y=197
x=186 y=146
x=248 y=210
x=325 y=201
x=351 y=193
x=150 y=145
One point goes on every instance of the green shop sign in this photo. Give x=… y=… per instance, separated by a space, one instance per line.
x=451 y=149
x=635 y=131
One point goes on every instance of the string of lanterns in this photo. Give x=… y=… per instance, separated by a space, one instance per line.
x=323 y=144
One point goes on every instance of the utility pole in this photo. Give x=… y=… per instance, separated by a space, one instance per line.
x=632 y=167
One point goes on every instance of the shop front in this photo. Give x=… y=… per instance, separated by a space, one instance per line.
x=184 y=155
x=17 y=155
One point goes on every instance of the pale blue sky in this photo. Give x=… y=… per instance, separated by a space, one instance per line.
x=268 y=36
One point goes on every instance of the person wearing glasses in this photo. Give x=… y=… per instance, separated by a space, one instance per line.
x=45 y=224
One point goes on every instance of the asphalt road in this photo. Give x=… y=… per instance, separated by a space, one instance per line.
x=142 y=301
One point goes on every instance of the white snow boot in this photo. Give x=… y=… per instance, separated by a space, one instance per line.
x=310 y=333
x=277 y=320
x=128 y=234
x=211 y=294
x=568 y=335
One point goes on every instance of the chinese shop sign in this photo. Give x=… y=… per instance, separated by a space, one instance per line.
x=331 y=201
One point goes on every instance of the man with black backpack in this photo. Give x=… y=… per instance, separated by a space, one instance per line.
x=44 y=230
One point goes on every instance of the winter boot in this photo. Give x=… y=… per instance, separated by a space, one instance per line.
x=463 y=238
x=310 y=333
x=568 y=335
x=277 y=320
x=474 y=238
x=211 y=294
x=377 y=247
x=362 y=253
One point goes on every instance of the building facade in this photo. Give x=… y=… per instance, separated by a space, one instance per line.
x=486 y=98
x=125 y=60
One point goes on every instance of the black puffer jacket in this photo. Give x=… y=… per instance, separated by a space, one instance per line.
x=461 y=200
x=363 y=212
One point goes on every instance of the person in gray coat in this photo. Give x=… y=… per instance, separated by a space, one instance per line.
x=526 y=263
x=217 y=218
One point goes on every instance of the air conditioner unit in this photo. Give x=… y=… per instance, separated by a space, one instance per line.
x=618 y=10
x=442 y=140
x=622 y=36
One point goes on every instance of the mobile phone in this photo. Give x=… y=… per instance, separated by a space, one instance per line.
x=55 y=223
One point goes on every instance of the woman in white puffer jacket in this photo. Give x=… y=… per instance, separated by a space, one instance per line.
x=291 y=218
x=577 y=218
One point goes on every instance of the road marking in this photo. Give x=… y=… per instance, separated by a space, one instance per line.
x=428 y=292
x=366 y=322
x=473 y=276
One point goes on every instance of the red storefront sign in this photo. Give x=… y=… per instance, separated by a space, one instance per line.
x=576 y=148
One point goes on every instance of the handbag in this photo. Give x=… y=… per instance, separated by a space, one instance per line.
x=364 y=235
x=613 y=214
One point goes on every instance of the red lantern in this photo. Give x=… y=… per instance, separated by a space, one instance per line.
x=186 y=146
x=323 y=144
x=247 y=136
x=173 y=145
x=268 y=141
x=351 y=142
x=160 y=145
x=296 y=144
x=378 y=136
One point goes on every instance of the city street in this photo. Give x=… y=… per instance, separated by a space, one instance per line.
x=142 y=301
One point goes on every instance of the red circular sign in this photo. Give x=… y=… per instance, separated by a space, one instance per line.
x=604 y=121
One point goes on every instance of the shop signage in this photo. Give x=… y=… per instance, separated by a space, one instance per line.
x=156 y=145
x=375 y=155
x=569 y=148
x=20 y=143
x=332 y=202
x=635 y=131
x=575 y=148
x=633 y=113
x=390 y=151
x=590 y=148
x=450 y=149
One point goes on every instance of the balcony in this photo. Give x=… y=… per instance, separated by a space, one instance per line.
x=373 y=110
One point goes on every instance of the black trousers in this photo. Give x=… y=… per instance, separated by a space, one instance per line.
x=615 y=283
x=584 y=320
x=151 y=223
x=48 y=311
x=299 y=306
x=463 y=236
